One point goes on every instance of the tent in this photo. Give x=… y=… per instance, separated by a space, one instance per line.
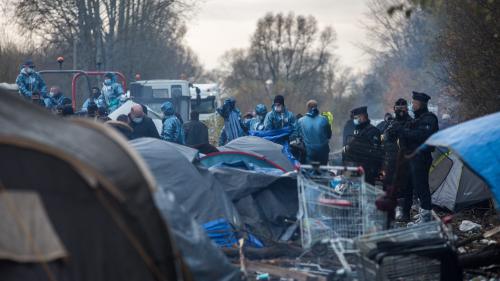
x=76 y=203
x=200 y=196
x=245 y=160
x=262 y=147
x=453 y=185
x=477 y=144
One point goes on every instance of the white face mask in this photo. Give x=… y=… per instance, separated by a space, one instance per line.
x=278 y=108
x=137 y=119
x=356 y=121
x=107 y=82
x=52 y=94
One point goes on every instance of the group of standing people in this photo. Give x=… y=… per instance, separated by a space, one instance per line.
x=33 y=87
x=313 y=129
x=391 y=154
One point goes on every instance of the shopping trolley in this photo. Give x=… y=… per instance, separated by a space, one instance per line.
x=419 y=252
x=336 y=203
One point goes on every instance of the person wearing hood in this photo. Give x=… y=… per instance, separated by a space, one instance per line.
x=315 y=131
x=257 y=123
x=233 y=128
x=95 y=97
x=364 y=148
x=279 y=117
x=30 y=83
x=56 y=98
x=111 y=92
x=423 y=126
x=384 y=124
x=142 y=125
x=172 y=126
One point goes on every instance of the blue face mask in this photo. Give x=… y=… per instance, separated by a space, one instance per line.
x=356 y=121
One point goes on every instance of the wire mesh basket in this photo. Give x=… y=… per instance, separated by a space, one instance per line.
x=413 y=253
x=335 y=202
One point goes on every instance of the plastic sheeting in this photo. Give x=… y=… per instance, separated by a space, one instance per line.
x=262 y=147
x=477 y=143
x=201 y=196
x=265 y=202
x=191 y=240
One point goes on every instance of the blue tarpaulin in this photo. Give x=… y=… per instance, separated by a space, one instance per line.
x=477 y=143
x=225 y=235
x=279 y=136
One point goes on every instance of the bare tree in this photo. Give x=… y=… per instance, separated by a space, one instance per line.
x=287 y=54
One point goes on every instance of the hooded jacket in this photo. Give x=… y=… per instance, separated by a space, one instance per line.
x=315 y=132
x=55 y=101
x=29 y=83
x=172 y=127
x=111 y=93
x=275 y=120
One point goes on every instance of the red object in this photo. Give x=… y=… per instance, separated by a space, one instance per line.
x=447 y=219
x=93 y=73
x=335 y=202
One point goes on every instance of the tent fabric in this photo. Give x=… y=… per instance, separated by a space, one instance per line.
x=95 y=190
x=262 y=147
x=264 y=201
x=34 y=222
x=201 y=196
x=453 y=185
x=477 y=144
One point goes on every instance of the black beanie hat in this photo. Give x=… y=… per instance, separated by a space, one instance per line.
x=279 y=99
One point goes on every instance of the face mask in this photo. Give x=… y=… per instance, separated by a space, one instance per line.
x=278 y=108
x=137 y=119
x=107 y=82
x=52 y=94
x=356 y=121
x=30 y=70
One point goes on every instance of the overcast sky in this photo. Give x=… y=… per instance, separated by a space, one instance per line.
x=221 y=25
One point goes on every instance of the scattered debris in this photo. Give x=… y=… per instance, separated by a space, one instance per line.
x=467 y=225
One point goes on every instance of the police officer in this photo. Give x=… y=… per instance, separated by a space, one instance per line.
x=364 y=147
x=394 y=148
x=424 y=125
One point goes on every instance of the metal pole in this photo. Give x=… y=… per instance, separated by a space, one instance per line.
x=75 y=42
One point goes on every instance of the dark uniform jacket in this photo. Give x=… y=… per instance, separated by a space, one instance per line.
x=424 y=125
x=364 y=149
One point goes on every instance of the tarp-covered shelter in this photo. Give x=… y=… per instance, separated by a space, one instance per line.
x=200 y=195
x=266 y=203
x=92 y=216
x=453 y=185
x=262 y=147
x=477 y=144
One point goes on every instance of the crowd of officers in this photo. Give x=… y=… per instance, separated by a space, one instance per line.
x=393 y=152
x=387 y=153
